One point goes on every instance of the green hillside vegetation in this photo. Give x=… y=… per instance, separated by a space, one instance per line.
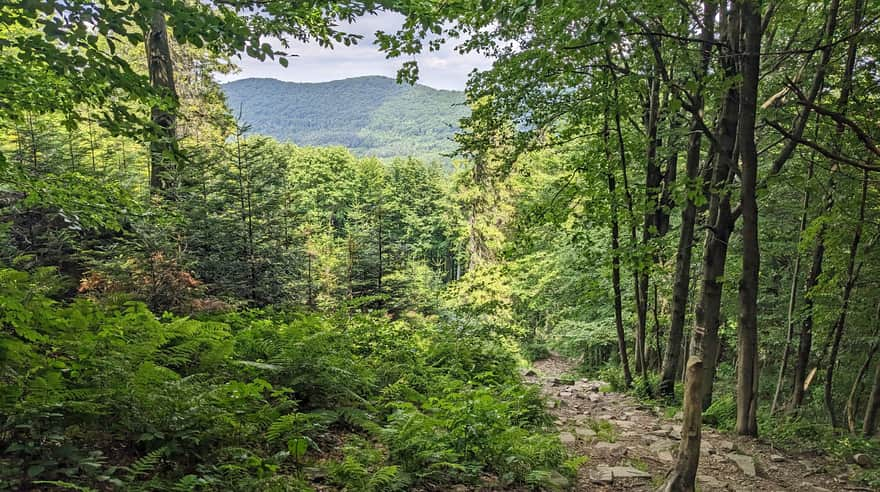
x=372 y=116
x=655 y=267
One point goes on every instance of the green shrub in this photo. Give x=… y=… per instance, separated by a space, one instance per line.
x=534 y=350
x=101 y=397
x=613 y=375
x=721 y=414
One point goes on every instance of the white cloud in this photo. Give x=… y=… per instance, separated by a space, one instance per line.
x=443 y=69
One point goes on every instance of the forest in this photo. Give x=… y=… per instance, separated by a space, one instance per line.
x=652 y=264
x=373 y=116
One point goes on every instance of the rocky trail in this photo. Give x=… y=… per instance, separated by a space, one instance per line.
x=631 y=447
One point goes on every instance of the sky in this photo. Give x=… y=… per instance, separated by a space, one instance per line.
x=444 y=69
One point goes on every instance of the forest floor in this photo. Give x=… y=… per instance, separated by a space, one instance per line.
x=631 y=447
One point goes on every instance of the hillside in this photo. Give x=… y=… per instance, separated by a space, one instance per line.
x=370 y=115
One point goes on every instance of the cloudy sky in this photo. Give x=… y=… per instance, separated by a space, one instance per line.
x=444 y=69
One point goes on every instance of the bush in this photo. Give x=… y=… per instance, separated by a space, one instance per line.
x=721 y=414
x=101 y=397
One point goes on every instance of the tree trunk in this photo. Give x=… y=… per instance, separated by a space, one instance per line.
x=806 y=339
x=653 y=179
x=708 y=311
x=806 y=335
x=852 y=274
x=851 y=271
x=640 y=366
x=704 y=343
x=792 y=299
x=615 y=261
x=869 y=426
x=852 y=401
x=685 y=471
x=162 y=80
x=681 y=283
x=747 y=332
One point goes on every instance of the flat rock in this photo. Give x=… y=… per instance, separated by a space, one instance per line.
x=649 y=439
x=706 y=447
x=744 y=462
x=628 y=472
x=710 y=482
x=665 y=456
x=585 y=432
x=558 y=480
x=726 y=446
x=567 y=438
x=812 y=488
x=777 y=458
x=660 y=433
x=607 y=446
x=565 y=394
x=602 y=475
x=664 y=445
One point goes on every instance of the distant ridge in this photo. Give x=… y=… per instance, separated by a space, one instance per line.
x=371 y=115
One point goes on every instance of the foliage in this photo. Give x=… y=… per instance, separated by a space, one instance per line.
x=371 y=116
x=96 y=395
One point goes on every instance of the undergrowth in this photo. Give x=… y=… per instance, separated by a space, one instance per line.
x=97 y=397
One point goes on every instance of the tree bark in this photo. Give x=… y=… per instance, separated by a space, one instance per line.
x=640 y=366
x=852 y=401
x=615 y=260
x=162 y=80
x=851 y=271
x=852 y=274
x=806 y=335
x=806 y=339
x=681 y=282
x=869 y=425
x=708 y=311
x=704 y=342
x=685 y=472
x=747 y=330
x=653 y=179
x=792 y=299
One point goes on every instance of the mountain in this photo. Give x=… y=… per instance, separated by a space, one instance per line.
x=372 y=115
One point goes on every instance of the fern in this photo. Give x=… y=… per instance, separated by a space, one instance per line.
x=387 y=478
x=145 y=465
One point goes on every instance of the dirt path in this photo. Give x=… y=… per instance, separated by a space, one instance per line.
x=631 y=448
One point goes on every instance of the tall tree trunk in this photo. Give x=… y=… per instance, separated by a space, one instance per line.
x=162 y=80
x=747 y=329
x=869 y=425
x=704 y=342
x=615 y=260
x=640 y=366
x=852 y=274
x=806 y=336
x=681 y=282
x=792 y=299
x=851 y=271
x=653 y=179
x=685 y=471
x=708 y=310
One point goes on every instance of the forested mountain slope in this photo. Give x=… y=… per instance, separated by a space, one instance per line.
x=372 y=116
